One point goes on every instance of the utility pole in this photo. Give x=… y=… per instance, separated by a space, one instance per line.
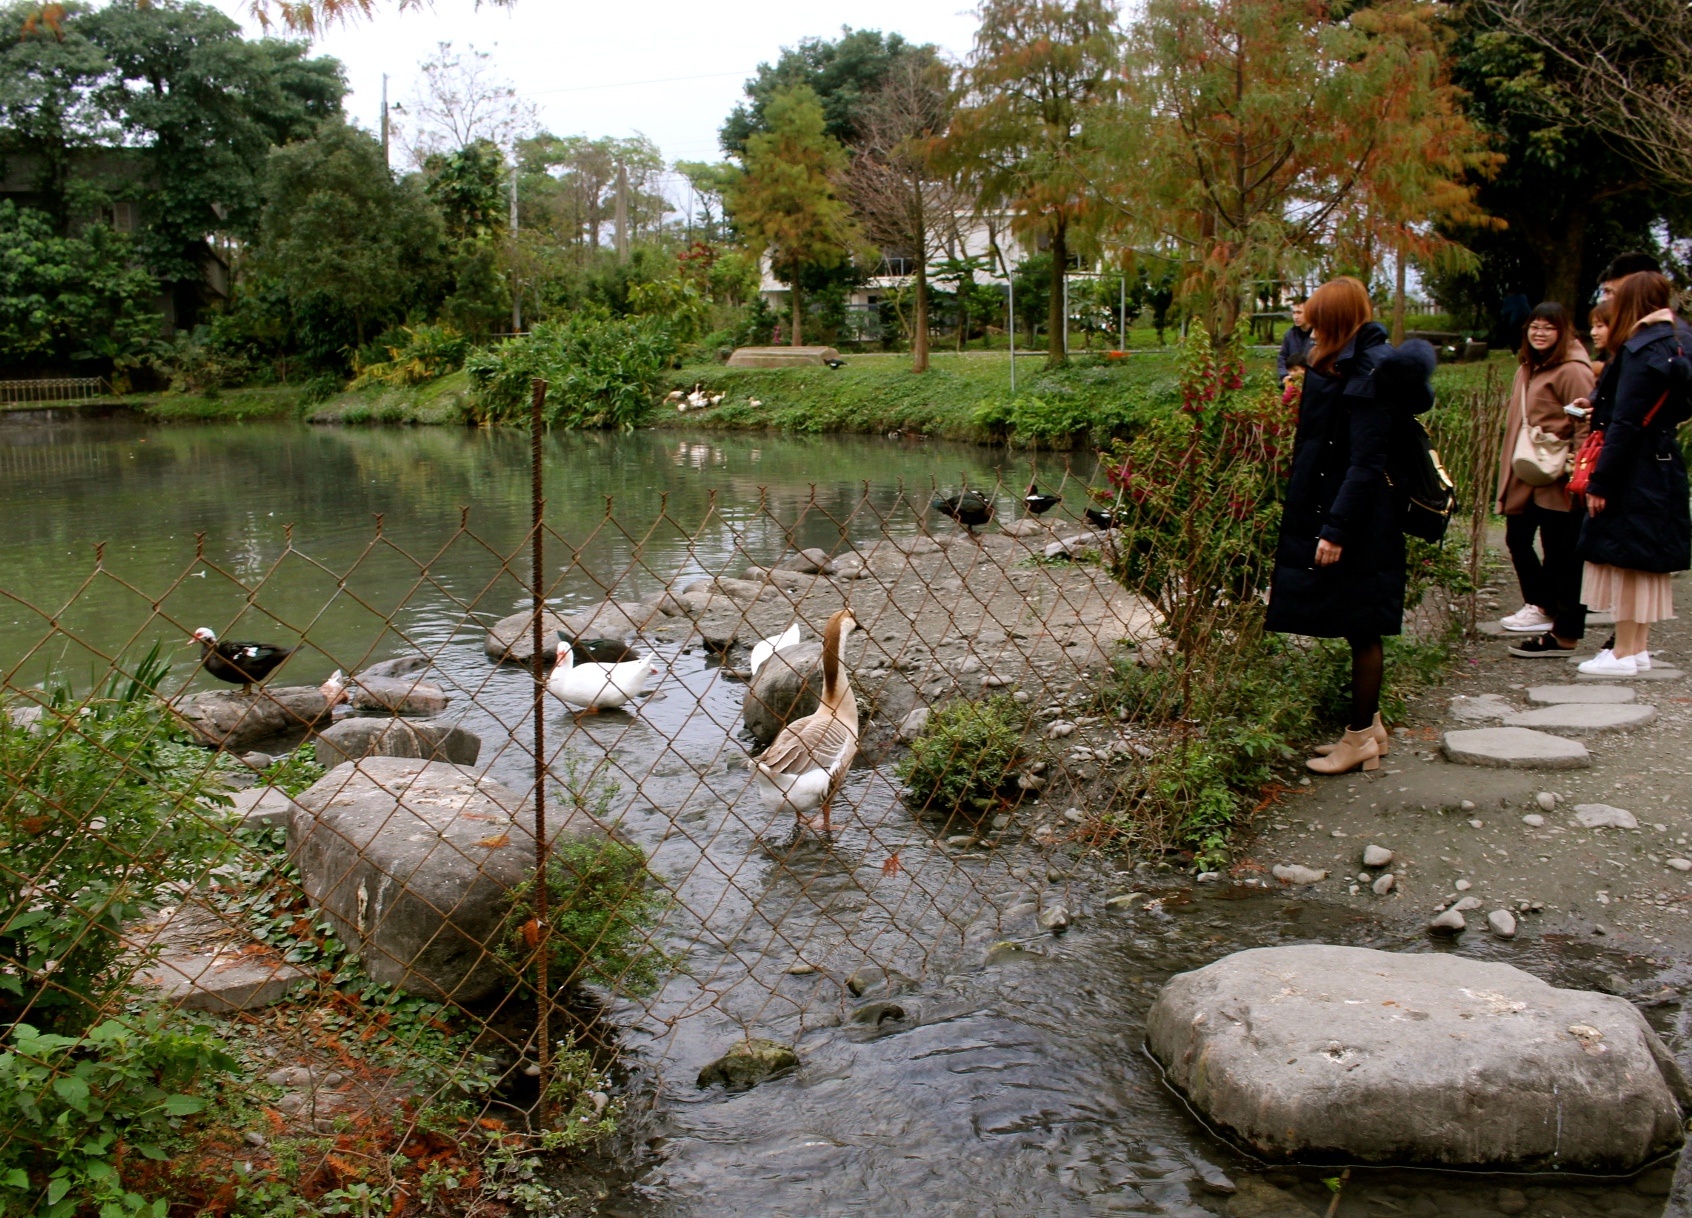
x=516 y=282
x=1122 y=310
x=385 y=119
x=622 y=234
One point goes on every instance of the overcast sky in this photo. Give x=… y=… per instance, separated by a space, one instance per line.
x=669 y=70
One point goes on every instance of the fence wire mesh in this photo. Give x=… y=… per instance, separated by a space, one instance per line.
x=273 y=913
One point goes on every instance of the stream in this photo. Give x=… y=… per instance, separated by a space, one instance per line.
x=998 y=1072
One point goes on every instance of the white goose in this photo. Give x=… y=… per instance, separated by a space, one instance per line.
x=763 y=649
x=804 y=766
x=595 y=687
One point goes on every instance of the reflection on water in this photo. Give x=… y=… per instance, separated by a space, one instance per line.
x=1006 y=1078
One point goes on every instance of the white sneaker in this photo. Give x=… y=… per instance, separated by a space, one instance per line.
x=1529 y=619
x=1642 y=660
x=1608 y=664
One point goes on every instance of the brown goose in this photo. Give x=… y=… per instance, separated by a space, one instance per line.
x=804 y=766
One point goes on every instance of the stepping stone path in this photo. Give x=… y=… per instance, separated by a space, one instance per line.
x=1650 y=674
x=1586 y=695
x=1516 y=748
x=1481 y=708
x=1577 y=719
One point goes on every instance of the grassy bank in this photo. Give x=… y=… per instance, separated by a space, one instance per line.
x=229 y=405
x=965 y=397
x=434 y=403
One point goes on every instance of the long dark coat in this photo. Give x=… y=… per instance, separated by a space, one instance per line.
x=1338 y=490
x=1645 y=524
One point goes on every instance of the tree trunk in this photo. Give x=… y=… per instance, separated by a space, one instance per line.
x=1398 y=296
x=919 y=332
x=1057 y=323
x=1561 y=256
x=797 y=339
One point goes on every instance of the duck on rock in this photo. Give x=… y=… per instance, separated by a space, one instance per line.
x=240 y=664
x=596 y=687
x=805 y=765
x=1037 y=501
x=969 y=508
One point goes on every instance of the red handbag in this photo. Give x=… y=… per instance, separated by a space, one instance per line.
x=1586 y=460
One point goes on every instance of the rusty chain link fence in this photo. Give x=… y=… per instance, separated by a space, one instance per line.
x=290 y=943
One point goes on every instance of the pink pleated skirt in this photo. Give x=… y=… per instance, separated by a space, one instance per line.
x=1633 y=596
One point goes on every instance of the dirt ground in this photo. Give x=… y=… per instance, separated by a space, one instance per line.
x=1448 y=823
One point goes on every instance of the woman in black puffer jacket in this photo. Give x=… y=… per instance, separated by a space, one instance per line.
x=1638 y=529
x=1339 y=565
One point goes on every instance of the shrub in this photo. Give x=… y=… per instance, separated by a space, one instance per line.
x=1056 y=421
x=966 y=756
x=601 y=906
x=602 y=372
x=423 y=353
x=102 y=805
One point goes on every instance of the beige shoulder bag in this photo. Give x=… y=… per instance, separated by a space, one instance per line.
x=1541 y=457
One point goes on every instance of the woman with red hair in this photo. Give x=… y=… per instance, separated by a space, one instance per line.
x=1339 y=565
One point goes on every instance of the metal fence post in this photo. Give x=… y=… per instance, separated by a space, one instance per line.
x=537 y=504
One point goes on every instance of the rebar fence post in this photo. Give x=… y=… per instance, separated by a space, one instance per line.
x=543 y=995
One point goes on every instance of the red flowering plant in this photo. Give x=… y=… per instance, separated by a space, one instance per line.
x=1197 y=496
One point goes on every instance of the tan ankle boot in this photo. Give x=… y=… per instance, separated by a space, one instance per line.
x=1381 y=738
x=1358 y=749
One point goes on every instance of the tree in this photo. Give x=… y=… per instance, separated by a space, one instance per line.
x=786 y=200
x=1036 y=88
x=905 y=204
x=844 y=74
x=341 y=235
x=468 y=185
x=1262 y=132
x=461 y=100
x=710 y=183
x=65 y=299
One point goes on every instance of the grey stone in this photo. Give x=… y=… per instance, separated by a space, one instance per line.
x=1465 y=904
x=877 y=1013
x=224 y=980
x=1295 y=873
x=1589 y=695
x=407 y=695
x=1451 y=922
x=1316 y=1051
x=411 y=862
x=511 y=640
x=1603 y=816
x=1680 y=864
x=1480 y=708
x=1502 y=923
x=814 y=561
x=1376 y=856
x=1546 y=800
x=749 y=1063
x=1515 y=748
x=1579 y=719
x=1533 y=820
x=262 y=807
x=1079 y=543
x=399 y=666
x=612 y=620
x=1057 y=729
x=256 y=760
x=1054 y=918
x=1463 y=885
x=786 y=688
x=874 y=979
x=1384 y=883
x=913 y=723
x=1648 y=674
x=360 y=736
x=231 y=720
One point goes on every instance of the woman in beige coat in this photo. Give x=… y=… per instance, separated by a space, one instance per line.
x=1552 y=370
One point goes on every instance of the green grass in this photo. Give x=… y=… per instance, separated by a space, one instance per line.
x=435 y=402
x=966 y=397
x=235 y=405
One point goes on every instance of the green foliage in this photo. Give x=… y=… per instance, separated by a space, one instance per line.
x=1049 y=422
x=601 y=907
x=469 y=187
x=74 y=1106
x=293 y=773
x=69 y=298
x=420 y=354
x=102 y=805
x=965 y=759
x=601 y=373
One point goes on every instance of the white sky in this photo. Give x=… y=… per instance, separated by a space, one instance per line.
x=612 y=69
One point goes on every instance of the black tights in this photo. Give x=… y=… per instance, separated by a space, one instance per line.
x=1367 y=665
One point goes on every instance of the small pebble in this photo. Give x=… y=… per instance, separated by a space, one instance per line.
x=1055 y=919
x=1376 y=856
x=1208 y=877
x=1546 y=801
x=1449 y=923
x=1502 y=923
x=1476 y=822
x=1468 y=805
x=1465 y=904
x=1462 y=885
x=1074 y=815
x=1681 y=864
x=801 y=968
x=253 y=1137
x=1533 y=820
x=1384 y=883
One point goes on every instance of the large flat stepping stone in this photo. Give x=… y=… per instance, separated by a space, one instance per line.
x=1315 y=1051
x=1577 y=719
x=225 y=980
x=1585 y=695
x=1650 y=674
x=1515 y=748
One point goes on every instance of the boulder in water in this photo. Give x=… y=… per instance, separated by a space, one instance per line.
x=788 y=687
x=360 y=736
x=1348 y=1053
x=234 y=721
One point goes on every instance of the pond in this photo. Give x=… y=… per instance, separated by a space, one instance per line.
x=1010 y=1080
